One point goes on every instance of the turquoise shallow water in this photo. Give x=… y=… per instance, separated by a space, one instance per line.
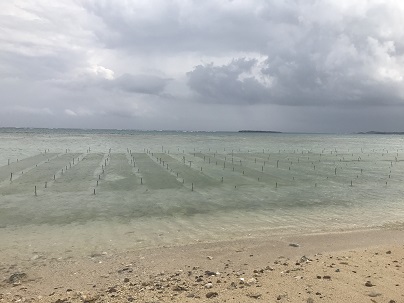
x=168 y=188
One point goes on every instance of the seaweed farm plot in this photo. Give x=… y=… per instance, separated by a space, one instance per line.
x=134 y=185
x=290 y=180
x=198 y=189
x=185 y=171
x=153 y=175
x=80 y=177
x=119 y=174
x=39 y=176
x=13 y=170
x=43 y=194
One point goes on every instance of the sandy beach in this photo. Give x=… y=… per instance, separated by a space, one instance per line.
x=352 y=266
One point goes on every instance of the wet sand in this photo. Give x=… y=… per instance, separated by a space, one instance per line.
x=354 y=266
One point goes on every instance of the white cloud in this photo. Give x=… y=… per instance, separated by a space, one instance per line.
x=102 y=72
x=79 y=112
x=69 y=112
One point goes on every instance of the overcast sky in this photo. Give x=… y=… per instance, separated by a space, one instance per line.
x=292 y=65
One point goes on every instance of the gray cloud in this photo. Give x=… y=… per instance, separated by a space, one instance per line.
x=144 y=84
x=127 y=83
x=176 y=26
x=292 y=65
x=225 y=84
x=337 y=72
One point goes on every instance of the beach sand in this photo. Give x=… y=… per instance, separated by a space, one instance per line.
x=350 y=266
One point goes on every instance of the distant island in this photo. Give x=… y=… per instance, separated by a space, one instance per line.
x=380 y=133
x=259 y=131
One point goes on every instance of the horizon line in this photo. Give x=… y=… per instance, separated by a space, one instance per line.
x=199 y=131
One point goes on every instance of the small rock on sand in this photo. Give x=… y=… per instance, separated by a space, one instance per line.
x=179 y=288
x=254 y=295
x=211 y=294
x=304 y=259
x=208 y=285
x=374 y=294
x=16 y=277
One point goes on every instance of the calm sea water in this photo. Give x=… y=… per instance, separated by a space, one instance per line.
x=83 y=191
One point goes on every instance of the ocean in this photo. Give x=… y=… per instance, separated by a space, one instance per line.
x=68 y=192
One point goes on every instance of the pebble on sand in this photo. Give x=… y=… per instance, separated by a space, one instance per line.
x=17 y=277
x=211 y=294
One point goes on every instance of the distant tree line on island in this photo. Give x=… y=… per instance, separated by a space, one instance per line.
x=380 y=133
x=259 y=131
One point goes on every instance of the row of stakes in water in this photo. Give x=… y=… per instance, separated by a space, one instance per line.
x=192 y=185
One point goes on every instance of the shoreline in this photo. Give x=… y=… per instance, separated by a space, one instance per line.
x=276 y=268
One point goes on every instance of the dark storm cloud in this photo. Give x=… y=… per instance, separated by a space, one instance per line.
x=223 y=84
x=203 y=64
x=296 y=83
x=315 y=53
x=317 y=70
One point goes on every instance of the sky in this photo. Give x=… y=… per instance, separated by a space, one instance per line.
x=293 y=65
